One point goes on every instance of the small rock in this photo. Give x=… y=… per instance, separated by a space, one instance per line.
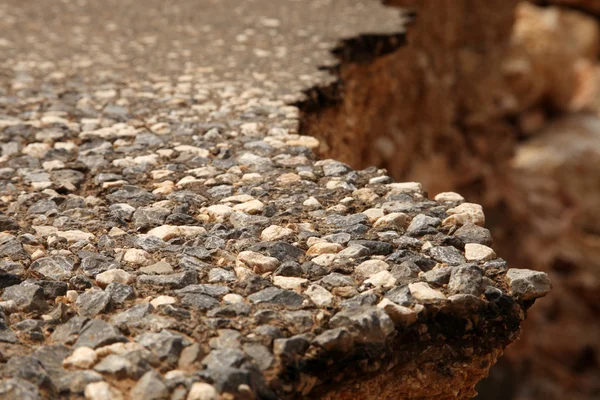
x=320 y=296
x=464 y=214
x=275 y=232
x=136 y=257
x=382 y=279
x=449 y=196
x=101 y=391
x=370 y=268
x=392 y=221
x=258 y=261
x=203 y=391
x=150 y=387
x=82 y=358
x=526 y=284
x=399 y=314
x=466 y=279
x=478 y=252
x=113 y=275
x=424 y=293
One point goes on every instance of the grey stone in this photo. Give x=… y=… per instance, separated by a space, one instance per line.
x=28 y=297
x=335 y=340
x=165 y=344
x=10 y=247
x=173 y=281
x=119 y=292
x=199 y=301
x=277 y=296
x=92 y=302
x=260 y=354
x=53 y=267
x=446 y=254
x=224 y=358
x=17 y=388
x=375 y=247
x=147 y=217
x=113 y=365
x=98 y=333
x=526 y=284
x=291 y=347
x=471 y=233
x=133 y=316
x=466 y=279
x=94 y=264
x=423 y=225
x=150 y=387
x=406 y=272
x=368 y=324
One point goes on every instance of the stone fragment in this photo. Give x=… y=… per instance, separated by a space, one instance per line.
x=82 y=358
x=466 y=213
x=478 y=252
x=114 y=275
x=526 y=284
x=150 y=387
x=275 y=232
x=258 y=261
x=101 y=391
x=367 y=324
x=399 y=314
x=423 y=293
x=202 y=391
x=369 y=268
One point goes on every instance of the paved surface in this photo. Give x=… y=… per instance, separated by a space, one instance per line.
x=166 y=233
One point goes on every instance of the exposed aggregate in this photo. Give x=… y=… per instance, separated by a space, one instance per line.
x=173 y=236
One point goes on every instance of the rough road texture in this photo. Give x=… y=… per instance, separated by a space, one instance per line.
x=168 y=234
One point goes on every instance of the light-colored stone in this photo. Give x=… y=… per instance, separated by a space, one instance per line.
x=184 y=148
x=101 y=391
x=167 y=232
x=290 y=282
x=114 y=232
x=399 y=314
x=320 y=296
x=73 y=236
x=464 y=214
x=382 y=279
x=275 y=232
x=219 y=211
x=82 y=358
x=392 y=220
x=136 y=257
x=424 y=293
x=404 y=187
x=370 y=267
x=258 y=261
x=478 y=252
x=325 y=260
x=250 y=207
x=312 y=203
x=114 y=275
x=161 y=300
x=233 y=298
x=71 y=296
x=202 y=391
x=449 y=196
x=324 y=248
x=373 y=214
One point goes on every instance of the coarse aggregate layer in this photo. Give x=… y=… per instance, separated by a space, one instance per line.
x=166 y=233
